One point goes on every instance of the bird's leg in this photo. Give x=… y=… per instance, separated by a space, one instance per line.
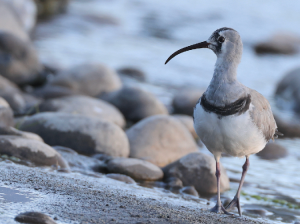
x=236 y=200
x=219 y=208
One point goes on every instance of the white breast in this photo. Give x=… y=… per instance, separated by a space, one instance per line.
x=235 y=135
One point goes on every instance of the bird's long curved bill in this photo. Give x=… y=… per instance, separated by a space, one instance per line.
x=203 y=44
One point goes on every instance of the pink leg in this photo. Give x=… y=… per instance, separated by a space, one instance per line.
x=219 y=208
x=236 y=200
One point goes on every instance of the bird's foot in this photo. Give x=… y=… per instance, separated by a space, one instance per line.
x=234 y=203
x=219 y=209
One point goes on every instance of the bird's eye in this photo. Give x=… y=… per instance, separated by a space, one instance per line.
x=221 y=39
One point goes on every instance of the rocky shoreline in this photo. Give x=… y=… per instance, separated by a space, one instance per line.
x=76 y=198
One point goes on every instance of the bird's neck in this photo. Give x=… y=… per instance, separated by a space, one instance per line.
x=224 y=87
x=225 y=71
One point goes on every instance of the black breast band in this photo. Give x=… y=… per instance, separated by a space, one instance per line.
x=238 y=107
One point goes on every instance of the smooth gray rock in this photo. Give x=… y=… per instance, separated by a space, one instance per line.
x=287 y=94
x=16 y=132
x=135 y=104
x=88 y=79
x=84 y=105
x=273 y=151
x=185 y=100
x=34 y=218
x=160 y=139
x=34 y=151
x=198 y=170
x=6 y=114
x=86 y=135
x=188 y=122
x=281 y=43
x=135 y=168
x=19 y=62
x=121 y=177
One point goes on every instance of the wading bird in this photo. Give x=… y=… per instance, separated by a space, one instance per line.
x=230 y=117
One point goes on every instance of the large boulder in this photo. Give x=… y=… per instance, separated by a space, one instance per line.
x=135 y=168
x=6 y=114
x=198 y=169
x=185 y=100
x=287 y=92
x=160 y=139
x=84 y=105
x=273 y=151
x=34 y=151
x=84 y=134
x=136 y=104
x=281 y=43
x=88 y=79
x=9 y=21
x=25 y=11
x=188 y=122
x=19 y=62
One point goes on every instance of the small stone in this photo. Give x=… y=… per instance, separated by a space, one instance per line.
x=84 y=105
x=34 y=218
x=160 y=139
x=88 y=79
x=135 y=168
x=31 y=150
x=84 y=134
x=198 y=170
x=185 y=101
x=190 y=190
x=135 y=104
x=273 y=151
x=121 y=177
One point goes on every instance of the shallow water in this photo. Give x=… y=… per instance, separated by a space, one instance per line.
x=142 y=34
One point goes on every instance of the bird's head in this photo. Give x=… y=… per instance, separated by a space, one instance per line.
x=224 y=42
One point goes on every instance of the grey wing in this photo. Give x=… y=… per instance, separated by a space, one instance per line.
x=262 y=115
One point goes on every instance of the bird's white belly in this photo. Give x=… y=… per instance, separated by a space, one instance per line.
x=235 y=135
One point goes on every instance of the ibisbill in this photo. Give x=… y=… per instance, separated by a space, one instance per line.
x=230 y=117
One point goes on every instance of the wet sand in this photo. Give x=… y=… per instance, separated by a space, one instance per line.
x=76 y=198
